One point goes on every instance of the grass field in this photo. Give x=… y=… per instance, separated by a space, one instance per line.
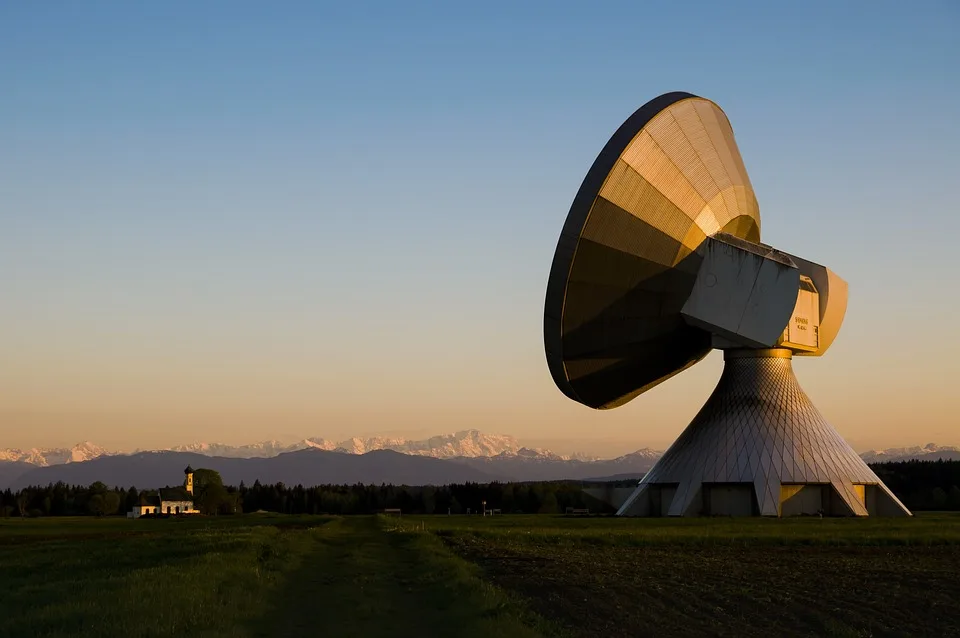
x=265 y=575
x=722 y=577
x=241 y=576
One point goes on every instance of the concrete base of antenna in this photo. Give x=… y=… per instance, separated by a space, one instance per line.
x=759 y=447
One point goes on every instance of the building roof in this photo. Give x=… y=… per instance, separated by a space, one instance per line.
x=166 y=494
x=150 y=500
x=175 y=494
x=188 y=470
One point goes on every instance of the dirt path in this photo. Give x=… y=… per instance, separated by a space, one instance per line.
x=361 y=580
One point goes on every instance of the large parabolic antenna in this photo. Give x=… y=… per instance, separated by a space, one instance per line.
x=660 y=261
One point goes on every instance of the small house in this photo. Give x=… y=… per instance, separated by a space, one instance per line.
x=168 y=501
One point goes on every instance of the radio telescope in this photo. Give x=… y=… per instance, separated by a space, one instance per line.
x=659 y=262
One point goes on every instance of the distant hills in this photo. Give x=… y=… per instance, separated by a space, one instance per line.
x=315 y=466
x=10 y=471
x=306 y=467
x=466 y=443
x=531 y=466
x=931 y=451
x=468 y=455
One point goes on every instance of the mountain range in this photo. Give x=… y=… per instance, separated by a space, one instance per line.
x=43 y=457
x=314 y=466
x=466 y=443
x=304 y=467
x=929 y=452
x=468 y=455
x=530 y=465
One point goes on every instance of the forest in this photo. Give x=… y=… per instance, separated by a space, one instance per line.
x=921 y=485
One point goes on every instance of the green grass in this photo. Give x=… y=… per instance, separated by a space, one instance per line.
x=255 y=575
x=142 y=578
x=720 y=577
x=14 y=530
x=923 y=529
x=274 y=575
x=367 y=580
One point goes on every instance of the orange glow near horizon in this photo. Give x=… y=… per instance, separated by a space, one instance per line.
x=116 y=403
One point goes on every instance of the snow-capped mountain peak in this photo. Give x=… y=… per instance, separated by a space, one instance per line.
x=43 y=457
x=263 y=449
x=318 y=443
x=85 y=451
x=464 y=444
x=930 y=451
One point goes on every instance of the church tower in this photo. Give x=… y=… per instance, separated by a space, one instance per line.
x=188 y=482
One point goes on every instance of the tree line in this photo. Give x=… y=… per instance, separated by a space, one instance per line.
x=462 y=498
x=97 y=499
x=213 y=498
x=921 y=485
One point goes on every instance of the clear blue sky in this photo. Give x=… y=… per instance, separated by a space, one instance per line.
x=237 y=221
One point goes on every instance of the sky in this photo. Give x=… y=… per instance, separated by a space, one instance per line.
x=240 y=221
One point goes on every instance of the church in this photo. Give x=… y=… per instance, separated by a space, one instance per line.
x=168 y=501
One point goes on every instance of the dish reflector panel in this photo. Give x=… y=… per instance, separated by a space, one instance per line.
x=626 y=260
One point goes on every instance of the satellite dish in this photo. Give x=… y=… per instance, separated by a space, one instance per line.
x=670 y=177
x=659 y=262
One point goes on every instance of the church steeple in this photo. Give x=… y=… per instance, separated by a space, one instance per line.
x=188 y=481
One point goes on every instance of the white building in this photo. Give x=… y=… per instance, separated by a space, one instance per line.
x=171 y=501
